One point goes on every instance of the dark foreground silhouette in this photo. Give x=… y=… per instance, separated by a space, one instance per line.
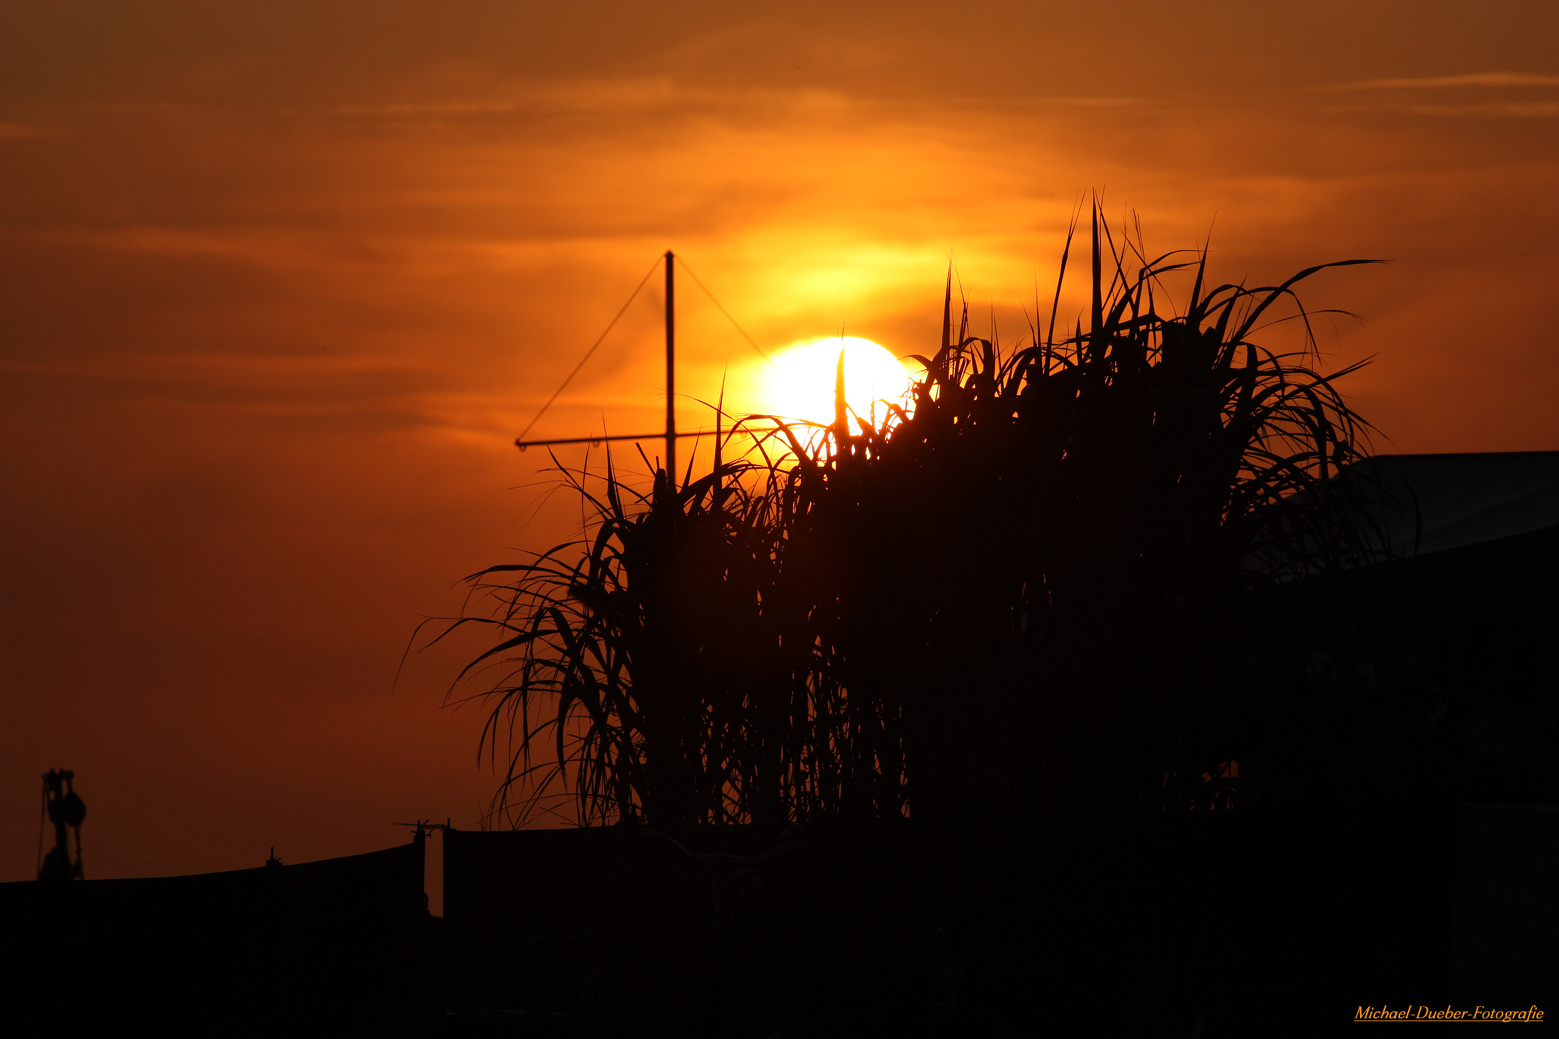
x=1224 y=923
x=1404 y=853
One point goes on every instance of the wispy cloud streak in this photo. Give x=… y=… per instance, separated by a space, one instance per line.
x=1470 y=79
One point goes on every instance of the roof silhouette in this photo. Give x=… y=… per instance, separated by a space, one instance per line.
x=1467 y=499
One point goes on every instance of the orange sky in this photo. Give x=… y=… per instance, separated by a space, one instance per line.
x=282 y=281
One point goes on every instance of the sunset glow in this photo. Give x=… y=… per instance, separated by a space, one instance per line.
x=282 y=282
x=802 y=384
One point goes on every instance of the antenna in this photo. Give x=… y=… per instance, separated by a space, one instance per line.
x=671 y=433
x=64 y=808
x=671 y=374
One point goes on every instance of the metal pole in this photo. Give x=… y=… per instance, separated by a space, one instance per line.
x=671 y=377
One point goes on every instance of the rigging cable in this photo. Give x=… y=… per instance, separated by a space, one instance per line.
x=727 y=313
x=597 y=343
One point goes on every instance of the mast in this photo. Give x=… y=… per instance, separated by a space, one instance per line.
x=671 y=433
x=671 y=376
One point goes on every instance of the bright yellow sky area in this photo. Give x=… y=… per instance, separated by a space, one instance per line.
x=801 y=383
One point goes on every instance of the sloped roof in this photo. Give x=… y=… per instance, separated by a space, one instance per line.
x=1466 y=499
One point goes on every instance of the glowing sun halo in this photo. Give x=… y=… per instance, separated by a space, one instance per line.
x=801 y=386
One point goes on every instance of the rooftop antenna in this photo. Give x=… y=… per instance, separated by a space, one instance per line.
x=671 y=373
x=671 y=433
x=64 y=808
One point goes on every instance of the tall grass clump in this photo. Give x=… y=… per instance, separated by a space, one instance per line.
x=1054 y=560
x=669 y=662
x=1038 y=583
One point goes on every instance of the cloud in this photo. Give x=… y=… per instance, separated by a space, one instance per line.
x=134 y=106
x=1536 y=110
x=430 y=108
x=15 y=131
x=1404 y=86
x=1470 y=79
x=1513 y=110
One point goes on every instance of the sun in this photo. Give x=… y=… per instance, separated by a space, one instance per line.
x=801 y=384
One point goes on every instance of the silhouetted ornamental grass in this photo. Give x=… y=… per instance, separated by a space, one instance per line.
x=1033 y=586
x=670 y=662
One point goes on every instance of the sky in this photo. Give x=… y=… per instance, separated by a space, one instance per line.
x=281 y=282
